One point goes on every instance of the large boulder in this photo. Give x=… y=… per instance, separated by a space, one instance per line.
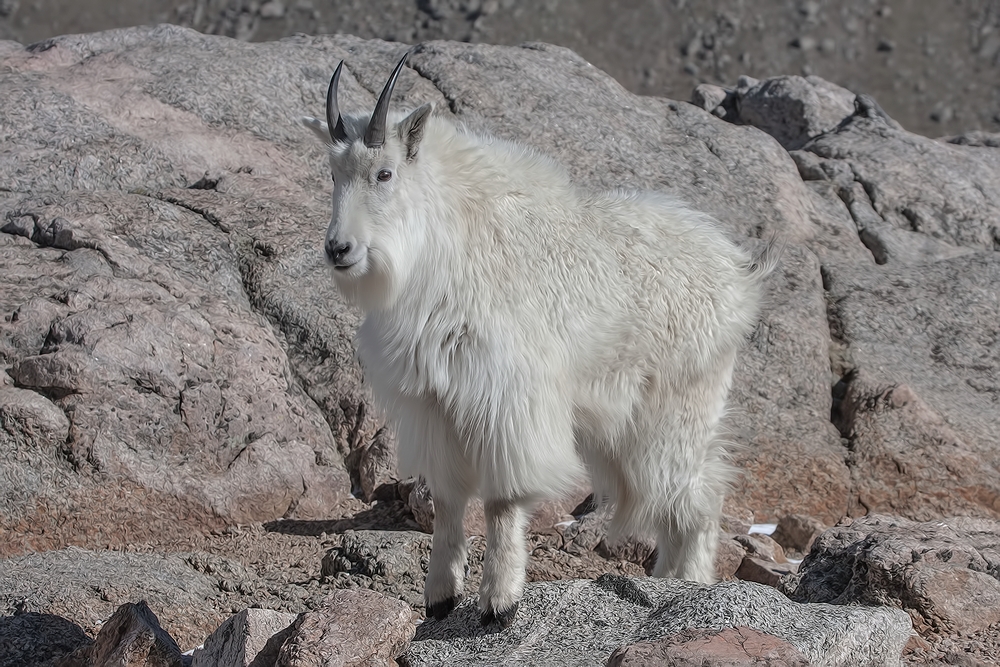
x=581 y=622
x=945 y=574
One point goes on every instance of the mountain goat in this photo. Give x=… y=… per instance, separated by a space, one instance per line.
x=523 y=332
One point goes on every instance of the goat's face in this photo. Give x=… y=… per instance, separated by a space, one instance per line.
x=371 y=233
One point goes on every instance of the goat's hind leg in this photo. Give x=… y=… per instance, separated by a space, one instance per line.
x=504 y=562
x=687 y=552
x=688 y=533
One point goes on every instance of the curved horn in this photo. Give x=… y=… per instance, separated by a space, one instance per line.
x=375 y=133
x=333 y=120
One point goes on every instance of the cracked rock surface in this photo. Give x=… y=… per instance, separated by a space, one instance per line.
x=176 y=362
x=583 y=622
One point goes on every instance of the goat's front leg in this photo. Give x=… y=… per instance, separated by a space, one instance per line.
x=449 y=554
x=504 y=562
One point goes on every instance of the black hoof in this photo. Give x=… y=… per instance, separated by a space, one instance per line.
x=442 y=608
x=499 y=618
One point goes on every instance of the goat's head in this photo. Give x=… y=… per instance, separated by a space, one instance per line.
x=372 y=235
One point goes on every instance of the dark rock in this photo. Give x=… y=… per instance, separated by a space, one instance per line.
x=946 y=573
x=728 y=558
x=763 y=571
x=793 y=109
x=31 y=638
x=393 y=562
x=797 y=532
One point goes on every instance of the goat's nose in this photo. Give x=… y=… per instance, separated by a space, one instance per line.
x=336 y=251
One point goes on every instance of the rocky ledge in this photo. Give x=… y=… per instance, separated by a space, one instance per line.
x=192 y=462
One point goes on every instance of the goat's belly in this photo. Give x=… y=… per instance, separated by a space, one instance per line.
x=605 y=405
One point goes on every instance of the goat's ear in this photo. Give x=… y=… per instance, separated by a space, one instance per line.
x=318 y=127
x=411 y=129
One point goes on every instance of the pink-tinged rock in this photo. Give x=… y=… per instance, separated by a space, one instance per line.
x=728 y=558
x=695 y=647
x=764 y=572
x=352 y=628
x=735 y=518
x=798 y=531
x=763 y=547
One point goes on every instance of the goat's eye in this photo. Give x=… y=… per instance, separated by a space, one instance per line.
x=384 y=175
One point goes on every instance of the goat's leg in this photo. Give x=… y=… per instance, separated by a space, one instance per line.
x=504 y=562
x=449 y=555
x=427 y=445
x=688 y=534
x=687 y=552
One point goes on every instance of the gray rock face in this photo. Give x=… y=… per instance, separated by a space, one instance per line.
x=146 y=341
x=583 y=622
x=88 y=587
x=921 y=388
x=946 y=574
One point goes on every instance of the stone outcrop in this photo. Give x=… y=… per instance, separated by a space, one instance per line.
x=187 y=591
x=584 y=622
x=132 y=636
x=945 y=573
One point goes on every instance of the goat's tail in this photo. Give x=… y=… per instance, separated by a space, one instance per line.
x=766 y=259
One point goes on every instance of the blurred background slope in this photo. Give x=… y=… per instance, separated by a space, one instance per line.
x=934 y=65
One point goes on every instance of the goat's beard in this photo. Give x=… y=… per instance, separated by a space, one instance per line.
x=375 y=288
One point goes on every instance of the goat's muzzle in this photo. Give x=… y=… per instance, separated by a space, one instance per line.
x=337 y=252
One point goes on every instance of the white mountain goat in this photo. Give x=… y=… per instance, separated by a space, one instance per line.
x=522 y=331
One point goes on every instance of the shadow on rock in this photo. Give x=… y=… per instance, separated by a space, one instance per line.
x=462 y=623
x=383 y=516
x=30 y=637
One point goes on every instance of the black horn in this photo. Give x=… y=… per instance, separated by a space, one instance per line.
x=333 y=120
x=375 y=133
